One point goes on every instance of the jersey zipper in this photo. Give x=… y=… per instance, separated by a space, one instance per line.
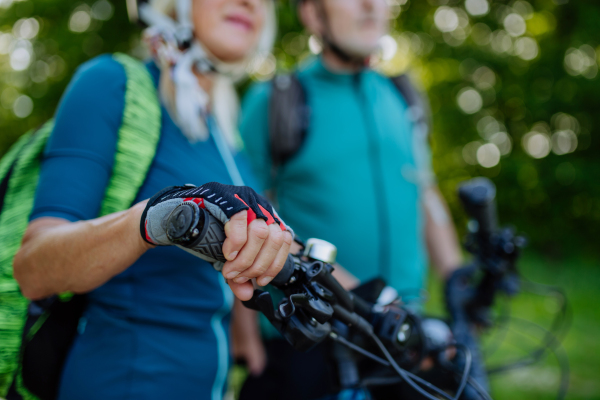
x=381 y=206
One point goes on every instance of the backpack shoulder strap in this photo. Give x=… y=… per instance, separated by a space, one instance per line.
x=137 y=140
x=418 y=105
x=138 y=137
x=288 y=117
x=419 y=113
x=8 y=159
x=8 y=163
x=289 y=114
x=20 y=172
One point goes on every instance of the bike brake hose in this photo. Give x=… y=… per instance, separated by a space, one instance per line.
x=466 y=371
x=405 y=374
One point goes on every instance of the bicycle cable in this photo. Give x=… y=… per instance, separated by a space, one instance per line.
x=406 y=375
x=410 y=378
x=554 y=348
x=385 y=363
x=552 y=337
x=500 y=327
x=475 y=385
x=466 y=371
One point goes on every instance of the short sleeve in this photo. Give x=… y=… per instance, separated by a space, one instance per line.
x=79 y=156
x=422 y=155
x=254 y=129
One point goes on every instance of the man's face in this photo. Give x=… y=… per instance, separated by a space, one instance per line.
x=354 y=25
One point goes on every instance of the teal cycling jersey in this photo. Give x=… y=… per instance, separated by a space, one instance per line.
x=358 y=177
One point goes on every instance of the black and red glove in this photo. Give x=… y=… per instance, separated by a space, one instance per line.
x=221 y=201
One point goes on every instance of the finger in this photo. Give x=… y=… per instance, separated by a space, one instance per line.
x=257 y=361
x=279 y=261
x=242 y=291
x=450 y=353
x=236 y=231
x=266 y=255
x=426 y=364
x=257 y=233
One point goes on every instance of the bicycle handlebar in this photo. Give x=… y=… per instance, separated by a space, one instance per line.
x=478 y=198
x=193 y=227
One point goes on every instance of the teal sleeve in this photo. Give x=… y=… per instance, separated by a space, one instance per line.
x=254 y=129
x=79 y=156
x=422 y=155
x=422 y=149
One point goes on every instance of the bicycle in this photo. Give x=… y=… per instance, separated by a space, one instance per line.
x=316 y=307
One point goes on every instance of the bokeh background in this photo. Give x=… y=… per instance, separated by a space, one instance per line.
x=514 y=91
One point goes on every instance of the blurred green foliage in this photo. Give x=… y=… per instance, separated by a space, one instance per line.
x=38 y=58
x=513 y=87
x=514 y=93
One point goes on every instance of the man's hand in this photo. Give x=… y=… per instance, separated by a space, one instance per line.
x=257 y=241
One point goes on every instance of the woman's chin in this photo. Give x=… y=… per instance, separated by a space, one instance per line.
x=230 y=56
x=229 y=51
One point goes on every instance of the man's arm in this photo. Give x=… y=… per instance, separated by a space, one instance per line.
x=246 y=343
x=442 y=241
x=344 y=277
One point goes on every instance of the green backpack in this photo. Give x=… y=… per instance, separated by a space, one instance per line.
x=19 y=173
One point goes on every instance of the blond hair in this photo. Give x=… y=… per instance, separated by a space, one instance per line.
x=225 y=102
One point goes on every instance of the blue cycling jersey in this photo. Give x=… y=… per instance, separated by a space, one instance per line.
x=159 y=330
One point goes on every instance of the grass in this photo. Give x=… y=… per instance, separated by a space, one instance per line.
x=580 y=279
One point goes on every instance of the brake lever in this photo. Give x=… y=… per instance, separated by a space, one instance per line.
x=261 y=301
x=313 y=306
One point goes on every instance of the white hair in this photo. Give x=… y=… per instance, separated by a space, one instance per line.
x=225 y=102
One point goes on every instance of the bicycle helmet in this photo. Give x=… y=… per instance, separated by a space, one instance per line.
x=169 y=35
x=327 y=37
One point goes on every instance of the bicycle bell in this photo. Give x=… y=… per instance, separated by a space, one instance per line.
x=320 y=250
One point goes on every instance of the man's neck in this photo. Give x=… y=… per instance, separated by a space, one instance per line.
x=335 y=64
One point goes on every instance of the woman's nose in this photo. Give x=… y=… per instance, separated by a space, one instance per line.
x=252 y=3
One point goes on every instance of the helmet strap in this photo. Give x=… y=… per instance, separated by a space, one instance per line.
x=329 y=41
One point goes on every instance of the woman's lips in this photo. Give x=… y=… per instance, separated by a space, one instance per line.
x=241 y=21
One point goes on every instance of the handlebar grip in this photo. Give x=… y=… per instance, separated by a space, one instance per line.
x=478 y=198
x=195 y=228
x=286 y=272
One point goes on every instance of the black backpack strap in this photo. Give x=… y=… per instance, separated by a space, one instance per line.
x=419 y=113
x=288 y=118
x=418 y=105
x=4 y=183
x=19 y=147
x=289 y=114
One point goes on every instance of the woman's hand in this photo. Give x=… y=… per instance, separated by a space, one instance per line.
x=254 y=250
x=257 y=241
